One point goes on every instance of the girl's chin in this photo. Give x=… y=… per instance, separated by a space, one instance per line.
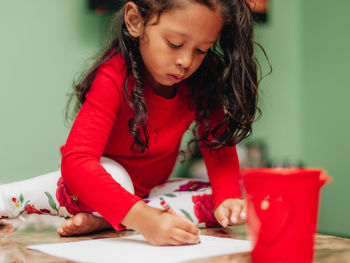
x=166 y=83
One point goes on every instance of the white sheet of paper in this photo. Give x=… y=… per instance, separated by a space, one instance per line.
x=136 y=249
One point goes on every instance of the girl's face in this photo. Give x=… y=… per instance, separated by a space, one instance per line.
x=173 y=49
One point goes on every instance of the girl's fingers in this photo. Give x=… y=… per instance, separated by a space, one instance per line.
x=174 y=242
x=236 y=211
x=231 y=212
x=182 y=237
x=224 y=222
x=221 y=217
x=186 y=225
x=244 y=210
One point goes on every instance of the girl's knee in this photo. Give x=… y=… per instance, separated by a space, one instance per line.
x=118 y=173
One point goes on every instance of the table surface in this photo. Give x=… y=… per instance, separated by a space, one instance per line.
x=13 y=246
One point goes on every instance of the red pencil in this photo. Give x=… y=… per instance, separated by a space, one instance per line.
x=167 y=207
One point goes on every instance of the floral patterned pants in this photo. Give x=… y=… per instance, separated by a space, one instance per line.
x=47 y=194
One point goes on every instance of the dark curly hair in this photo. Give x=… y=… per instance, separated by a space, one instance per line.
x=227 y=77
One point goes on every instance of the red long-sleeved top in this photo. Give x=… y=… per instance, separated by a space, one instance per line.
x=101 y=128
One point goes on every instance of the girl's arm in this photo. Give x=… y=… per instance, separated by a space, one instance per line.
x=89 y=181
x=222 y=166
x=223 y=170
x=81 y=169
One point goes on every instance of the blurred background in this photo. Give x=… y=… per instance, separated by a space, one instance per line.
x=45 y=45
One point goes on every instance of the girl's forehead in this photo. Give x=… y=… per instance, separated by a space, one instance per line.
x=193 y=19
x=186 y=7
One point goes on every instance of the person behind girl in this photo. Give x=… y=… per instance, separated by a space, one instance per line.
x=171 y=63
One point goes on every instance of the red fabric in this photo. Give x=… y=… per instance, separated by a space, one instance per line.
x=204 y=209
x=69 y=200
x=101 y=128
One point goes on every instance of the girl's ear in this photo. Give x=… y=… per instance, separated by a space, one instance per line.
x=133 y=20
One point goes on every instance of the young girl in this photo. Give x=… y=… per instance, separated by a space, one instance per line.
x=172 y=63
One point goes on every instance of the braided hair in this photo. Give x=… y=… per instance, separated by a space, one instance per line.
x=227 y=77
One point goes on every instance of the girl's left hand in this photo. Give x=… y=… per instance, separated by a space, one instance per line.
x=231 y=212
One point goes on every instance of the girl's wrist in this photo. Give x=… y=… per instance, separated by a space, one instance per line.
x=135 y=215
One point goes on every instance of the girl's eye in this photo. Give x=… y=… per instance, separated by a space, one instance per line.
x=174 y=45
x=201 y=51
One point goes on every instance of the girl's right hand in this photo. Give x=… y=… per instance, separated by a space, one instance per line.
x=159 y=227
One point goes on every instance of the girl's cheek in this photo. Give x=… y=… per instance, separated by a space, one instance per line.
x=196 y=64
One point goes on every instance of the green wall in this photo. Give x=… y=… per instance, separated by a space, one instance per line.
x=44 y=44
x=326 y=107
x=305 y=100
x=280 y=124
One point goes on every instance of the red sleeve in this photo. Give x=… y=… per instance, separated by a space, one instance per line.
x=81 y=169
x=223 y=168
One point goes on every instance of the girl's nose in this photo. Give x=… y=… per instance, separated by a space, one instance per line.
x=185 y=59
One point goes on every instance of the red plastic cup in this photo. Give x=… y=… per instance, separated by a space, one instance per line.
x=282 y=209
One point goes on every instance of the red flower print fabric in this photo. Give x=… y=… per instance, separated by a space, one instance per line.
x=193 y=186
x=30 y=209
x=70 y=201
x=204 y=209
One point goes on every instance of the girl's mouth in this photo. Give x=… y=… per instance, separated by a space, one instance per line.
x=176 y=78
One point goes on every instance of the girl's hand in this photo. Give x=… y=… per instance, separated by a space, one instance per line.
x=231 y=212
x=161 y=228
